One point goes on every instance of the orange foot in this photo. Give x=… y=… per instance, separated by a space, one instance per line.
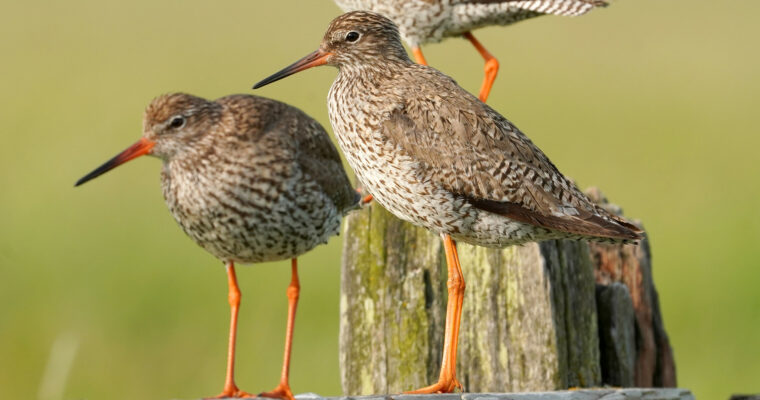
x=443 y=386
x=280 y=392
x=232 y=392
x=365 y=199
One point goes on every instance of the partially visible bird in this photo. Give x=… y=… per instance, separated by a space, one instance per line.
x=436 y=156
x=430 y=21
x=250 y=180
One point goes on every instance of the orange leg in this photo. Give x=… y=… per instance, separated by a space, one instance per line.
x=491 y=68
x=447 y=380
x=282 y=391
x=230 y=389
x=418 y=57
x=458 y=314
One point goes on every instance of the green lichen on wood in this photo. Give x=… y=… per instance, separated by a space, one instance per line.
x=526 y=320
x=508 y=336
x=407 y=320
x=386 y=314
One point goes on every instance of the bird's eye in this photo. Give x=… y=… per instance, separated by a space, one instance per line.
x=177 y=122
x=352 y=36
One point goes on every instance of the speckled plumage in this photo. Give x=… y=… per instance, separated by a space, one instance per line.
x=249 y=179
x=426 y=21
x=435 y=155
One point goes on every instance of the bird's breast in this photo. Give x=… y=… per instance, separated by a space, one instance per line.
x=399 y=182
x=239 y=214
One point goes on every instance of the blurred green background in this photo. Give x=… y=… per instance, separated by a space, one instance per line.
x=653 y=101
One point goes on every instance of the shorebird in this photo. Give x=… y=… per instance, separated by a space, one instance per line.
x=430 y=21
x=438 y=157
x=250 y=180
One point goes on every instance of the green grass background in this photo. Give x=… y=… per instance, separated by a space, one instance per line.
x=654 y=101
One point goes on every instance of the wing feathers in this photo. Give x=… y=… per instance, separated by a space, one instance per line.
x=468 y=149
x=556 y=7
x=586 y=224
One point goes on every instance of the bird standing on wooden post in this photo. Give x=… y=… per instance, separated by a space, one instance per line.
x=250 y=180
x=436 y=156
x=430 y=21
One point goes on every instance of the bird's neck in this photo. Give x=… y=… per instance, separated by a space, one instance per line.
x=191 y=151
x=380 y=69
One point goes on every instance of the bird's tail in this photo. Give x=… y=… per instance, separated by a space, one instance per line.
x=568 y=8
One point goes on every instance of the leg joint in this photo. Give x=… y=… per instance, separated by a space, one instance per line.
x=234 y=296
x=492 y=66
x=455 y=282
x=293 y=291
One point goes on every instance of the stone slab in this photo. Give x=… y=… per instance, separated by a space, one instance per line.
x=585 y=394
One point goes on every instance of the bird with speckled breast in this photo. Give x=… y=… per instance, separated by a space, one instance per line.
x=438 y=157
x=430 y=21
x=250 y=180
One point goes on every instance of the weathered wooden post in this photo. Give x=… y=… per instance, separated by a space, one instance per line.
x=536 y=317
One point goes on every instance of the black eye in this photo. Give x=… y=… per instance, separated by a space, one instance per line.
x=352 y=36
x=177 y=121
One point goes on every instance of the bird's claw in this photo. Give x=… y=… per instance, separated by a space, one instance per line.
x=442 y=386
x=232 y=392
x=280 y=392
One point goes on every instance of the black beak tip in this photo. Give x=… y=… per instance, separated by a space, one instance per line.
x=262 y=83
x=94 y=174
x=82 y=181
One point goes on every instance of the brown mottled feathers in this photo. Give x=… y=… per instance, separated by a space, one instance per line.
x=317 y=156
x=454 y=135
x=587 y=224
x=201 y=112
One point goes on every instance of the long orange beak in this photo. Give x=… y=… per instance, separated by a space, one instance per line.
x=314 y=59
x=142 y=147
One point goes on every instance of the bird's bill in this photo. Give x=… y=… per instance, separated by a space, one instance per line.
x=314 y=59
x=142 y=147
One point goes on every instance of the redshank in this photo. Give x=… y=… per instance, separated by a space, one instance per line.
x=436 y=156
x=430 y=21
x=250 y=180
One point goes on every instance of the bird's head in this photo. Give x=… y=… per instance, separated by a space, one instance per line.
x=171 y=125
x=354 y=40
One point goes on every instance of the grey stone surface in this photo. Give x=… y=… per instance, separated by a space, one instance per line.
x=585 y=394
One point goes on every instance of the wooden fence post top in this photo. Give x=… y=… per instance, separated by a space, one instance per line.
x=531 y=315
